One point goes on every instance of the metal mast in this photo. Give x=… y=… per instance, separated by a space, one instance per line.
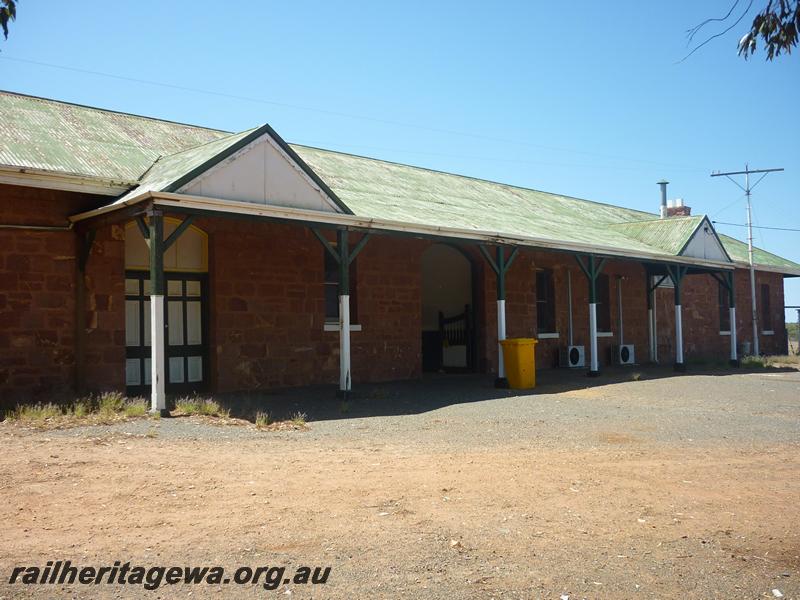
x=747 y=192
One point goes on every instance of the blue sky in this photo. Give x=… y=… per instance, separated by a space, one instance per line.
x=586 y=99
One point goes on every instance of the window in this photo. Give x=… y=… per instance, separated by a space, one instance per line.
x=724 y=308
x=545 y=301
x=331 y=285
x=766 y=313
x=603 y=303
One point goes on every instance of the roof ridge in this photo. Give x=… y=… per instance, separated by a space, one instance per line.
x=473 y=178
x=112 y=111
x=219 y=139
x=659 y=219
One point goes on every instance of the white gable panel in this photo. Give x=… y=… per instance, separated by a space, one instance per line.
x=704 y=243
x=261 y=173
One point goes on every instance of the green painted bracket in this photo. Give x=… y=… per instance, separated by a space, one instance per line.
x=650 y=288
x=143 y=227
x=359 y=246
x=173 y=237
x=592 y=272
x=500 y=265
x=326 y=244
x=333 y=251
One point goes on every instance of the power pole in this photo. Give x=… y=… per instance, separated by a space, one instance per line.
x=747 y=191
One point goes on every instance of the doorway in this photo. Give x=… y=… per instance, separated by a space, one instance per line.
x=448 y=310
x=185 y=311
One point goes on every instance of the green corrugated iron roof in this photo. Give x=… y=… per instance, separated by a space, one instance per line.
x=668 y=235
x=737 y=250
x=78 y=140
x=157 y=155
x=167 y=171
x=378 y=189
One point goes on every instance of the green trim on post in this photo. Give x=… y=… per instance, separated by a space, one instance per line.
x=343 y=246
x=156 y=222
x=731 y=289
x=156 y=219
x=592 y=271
x=676 y=274
x=500 y=265
x=501 y=273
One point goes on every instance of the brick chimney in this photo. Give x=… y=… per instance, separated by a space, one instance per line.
x=676 y=208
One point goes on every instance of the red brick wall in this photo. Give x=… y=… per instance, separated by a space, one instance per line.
x=268 y=310
x=105 y=311
x=266 y=305
x=521 y=307
x=37 y=299
x=701 y=322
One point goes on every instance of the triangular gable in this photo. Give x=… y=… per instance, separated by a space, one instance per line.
x=261 y=169
x=705 y=243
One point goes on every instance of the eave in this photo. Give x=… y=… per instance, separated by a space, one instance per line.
x=214 y=206
x=67 y=182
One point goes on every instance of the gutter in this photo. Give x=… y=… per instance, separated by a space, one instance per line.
x=43 y=178
x=37 y=227
x=185 y=201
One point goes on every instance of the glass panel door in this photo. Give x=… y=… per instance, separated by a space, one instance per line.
x=185 y=332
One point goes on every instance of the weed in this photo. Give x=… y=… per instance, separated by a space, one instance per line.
x=110 y=403
x=194 y=405
x=262 y=419
x=135 y=408
x=35 y=412
x=80 y=409
x=636 y=376
x=299 y=419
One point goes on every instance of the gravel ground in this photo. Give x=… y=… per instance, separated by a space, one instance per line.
x=664 y=487
x=565 y=412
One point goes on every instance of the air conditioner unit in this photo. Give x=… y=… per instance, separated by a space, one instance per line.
x=573 y=357
x=624 y=354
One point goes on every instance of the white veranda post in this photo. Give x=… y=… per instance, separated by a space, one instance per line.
x=344 y=343
x=501 y=335
x=158 y=398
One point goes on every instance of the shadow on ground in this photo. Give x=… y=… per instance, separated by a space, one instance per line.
x=435 y=391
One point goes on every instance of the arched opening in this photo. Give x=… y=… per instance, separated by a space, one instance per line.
x=448 y=310
x=185 y=310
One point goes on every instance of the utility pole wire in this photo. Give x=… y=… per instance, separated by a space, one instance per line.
x=755 y=226
x=345 y=115
x=747 y=192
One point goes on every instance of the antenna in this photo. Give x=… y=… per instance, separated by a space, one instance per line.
x=747 y=189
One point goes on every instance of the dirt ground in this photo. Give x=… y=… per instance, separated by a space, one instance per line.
x=586 y=493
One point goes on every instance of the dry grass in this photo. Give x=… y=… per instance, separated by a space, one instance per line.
x=262 y=419
x=767 y=362
x=108 y=407
x=195 y=405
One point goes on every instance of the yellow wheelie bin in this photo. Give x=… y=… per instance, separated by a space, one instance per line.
x=519 y=356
